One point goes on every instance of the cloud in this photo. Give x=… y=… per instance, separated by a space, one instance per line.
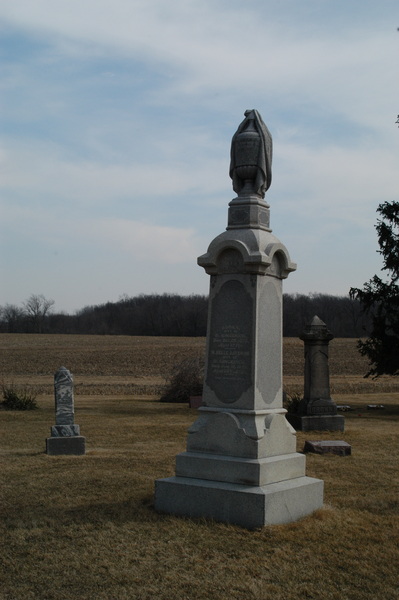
x=118 y=120
x=210 y=47
x=144 y=241
x=47 y=174
x=347 y=183
x=140 y=240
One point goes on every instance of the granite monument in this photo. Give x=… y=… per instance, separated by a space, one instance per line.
x=241 y=464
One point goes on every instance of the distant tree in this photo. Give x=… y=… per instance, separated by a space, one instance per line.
x=12 y=318
x=61 y=323
x=153 y=314
x=175 y=315
x=342 y=314
x=380 y=299
x=37 y=307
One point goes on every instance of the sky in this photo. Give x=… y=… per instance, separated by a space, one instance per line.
x=116 y=124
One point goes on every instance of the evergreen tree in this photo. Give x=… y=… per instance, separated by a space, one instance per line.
x=380 y=299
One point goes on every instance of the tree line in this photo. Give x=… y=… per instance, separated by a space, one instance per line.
x=175 y=315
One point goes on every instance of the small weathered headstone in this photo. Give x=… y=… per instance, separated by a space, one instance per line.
x=65 y=435
x=328 y=447
x=316 y=411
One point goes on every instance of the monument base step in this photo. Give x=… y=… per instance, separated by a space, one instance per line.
x=247 y=506
x=244 y=471
x=316 y=422
x=72 y=445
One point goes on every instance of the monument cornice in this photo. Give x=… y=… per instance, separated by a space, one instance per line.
x=257 y=250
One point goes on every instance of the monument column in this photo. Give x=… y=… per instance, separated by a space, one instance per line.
x=241 y=464
x=316 y=411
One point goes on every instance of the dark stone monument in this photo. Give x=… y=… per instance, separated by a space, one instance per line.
x=316 y=411
x=65 y=435
x=241 y=464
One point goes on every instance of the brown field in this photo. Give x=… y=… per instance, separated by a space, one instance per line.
x=124 y=365
x=84 y=527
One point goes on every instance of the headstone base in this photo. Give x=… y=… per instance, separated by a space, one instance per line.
x=248 y=506
x=328 y=447
x=316 y=422
x=72 y=445
x=244 y=471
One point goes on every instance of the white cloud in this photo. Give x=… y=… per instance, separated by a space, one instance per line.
x=141 y=240
x=47 y=173
x=345 y=182
x=118 y=129
x=144 y=241
x=208 y=47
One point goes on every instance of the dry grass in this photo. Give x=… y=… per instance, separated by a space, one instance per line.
x=84 y=527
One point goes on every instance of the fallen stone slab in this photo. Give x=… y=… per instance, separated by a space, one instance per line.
x=328 y=447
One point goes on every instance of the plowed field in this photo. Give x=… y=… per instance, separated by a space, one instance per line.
x=128 y=365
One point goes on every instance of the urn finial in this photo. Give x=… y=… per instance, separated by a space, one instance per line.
x=251 y=156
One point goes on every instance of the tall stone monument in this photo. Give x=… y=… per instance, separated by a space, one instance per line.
x=316 y=411
x=65 y=435
x=241 y=464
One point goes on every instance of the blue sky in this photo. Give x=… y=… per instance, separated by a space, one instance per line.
x=116 y=123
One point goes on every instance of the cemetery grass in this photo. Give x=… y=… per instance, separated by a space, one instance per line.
x=85 y=526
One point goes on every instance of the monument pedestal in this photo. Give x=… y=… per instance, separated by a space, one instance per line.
x=248 y=480
x=316 y=422
x=245 y=505
x=75 y=445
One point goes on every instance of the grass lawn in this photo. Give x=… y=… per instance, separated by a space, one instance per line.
x=84 y=527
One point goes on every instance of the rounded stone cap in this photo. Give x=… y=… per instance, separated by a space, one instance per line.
x=62 y=376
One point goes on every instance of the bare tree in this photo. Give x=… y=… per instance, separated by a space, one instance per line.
x=37 y=307
x=12 y=316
